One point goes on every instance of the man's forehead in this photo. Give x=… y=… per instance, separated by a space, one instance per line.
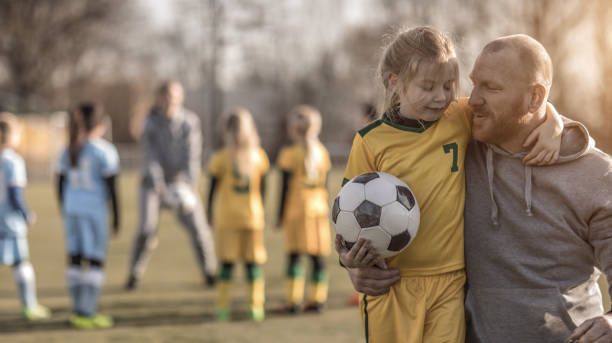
x=500 y=63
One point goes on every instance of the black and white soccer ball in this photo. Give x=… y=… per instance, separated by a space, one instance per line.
x=379 y=207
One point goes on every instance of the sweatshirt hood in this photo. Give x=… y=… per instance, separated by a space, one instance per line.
x=575 y=143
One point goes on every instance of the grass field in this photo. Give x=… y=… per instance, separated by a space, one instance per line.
x=171 y=305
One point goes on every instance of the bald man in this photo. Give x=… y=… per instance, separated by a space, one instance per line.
x=536 y=238
x=172 y=146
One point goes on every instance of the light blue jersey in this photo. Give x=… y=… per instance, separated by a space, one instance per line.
x=12 y=174
x=85 y=190
x=85 y=194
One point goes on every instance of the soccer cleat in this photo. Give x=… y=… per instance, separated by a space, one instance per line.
x=80 y=322
x=223 y=315
x=210 y=280
x=314 y=307
x=132 y=283
x=101 y=321
x=289 y=309
x=257 y=314
x=37 y=312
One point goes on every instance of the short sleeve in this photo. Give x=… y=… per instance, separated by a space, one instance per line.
x=285 y=159
x=110 y=161
x=360 y=159
x=215 y=167
x=265 y=162
x=326 y=160
x=17 y=176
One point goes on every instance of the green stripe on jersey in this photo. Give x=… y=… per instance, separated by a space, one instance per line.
x=365 y=311
x=369 y=127
x=426 y=125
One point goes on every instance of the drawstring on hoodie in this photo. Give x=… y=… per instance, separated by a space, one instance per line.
x=528 y=191
x=490 y=175
x=577 y=147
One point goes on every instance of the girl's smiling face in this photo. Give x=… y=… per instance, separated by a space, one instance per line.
x=427 y=95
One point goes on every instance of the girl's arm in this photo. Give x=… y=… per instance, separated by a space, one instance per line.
x=361 y=255
x=262 y=187
x=114 y=199
x=15 y=195
x=546 y=140
x=211 y=194
x=286 y=176
x=61 y=181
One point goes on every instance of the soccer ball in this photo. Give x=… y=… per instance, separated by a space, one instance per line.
x=179 y=195
x=379 y=207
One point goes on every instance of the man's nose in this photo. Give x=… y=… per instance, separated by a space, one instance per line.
x=475 y=98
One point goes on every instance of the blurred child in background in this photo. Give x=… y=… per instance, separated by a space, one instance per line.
x=238 y=172
x=14 y=218
x=88 y=169
x=303 y=211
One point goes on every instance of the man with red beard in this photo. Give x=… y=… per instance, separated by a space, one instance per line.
x=536 y=238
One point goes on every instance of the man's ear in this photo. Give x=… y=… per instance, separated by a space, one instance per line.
x=537 y=97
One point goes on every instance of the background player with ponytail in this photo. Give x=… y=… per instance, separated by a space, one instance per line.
x=304 y=206
x=88 y=168
x=238 y=172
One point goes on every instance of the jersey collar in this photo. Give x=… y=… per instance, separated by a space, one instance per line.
x=412 y=125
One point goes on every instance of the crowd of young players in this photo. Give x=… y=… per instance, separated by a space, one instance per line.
x=86 y=185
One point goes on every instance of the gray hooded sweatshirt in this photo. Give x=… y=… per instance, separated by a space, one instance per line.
x=172 y=148
x=536 y=240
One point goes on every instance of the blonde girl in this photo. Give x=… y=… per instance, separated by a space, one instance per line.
x=237 y=171
x=304 y=208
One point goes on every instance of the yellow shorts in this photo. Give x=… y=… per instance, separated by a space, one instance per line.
x=417 y=309
x=308 y=235
x=241 y=246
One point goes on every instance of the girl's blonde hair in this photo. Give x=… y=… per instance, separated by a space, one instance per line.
x=305 y=124
x=9 y=127
x=241 y=138
x=405 y=54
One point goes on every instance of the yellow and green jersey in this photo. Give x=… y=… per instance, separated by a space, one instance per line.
x=307 y=194
x=238 y=202
x=430 y=160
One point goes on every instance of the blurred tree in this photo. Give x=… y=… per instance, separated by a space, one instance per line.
x=44 y=41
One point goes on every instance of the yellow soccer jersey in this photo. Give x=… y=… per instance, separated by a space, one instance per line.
x=307 y=196
x=238 y=202
x=431 y=161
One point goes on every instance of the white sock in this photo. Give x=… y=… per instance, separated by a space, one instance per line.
x=73 y=280
x=92 y=281
x=26 y=283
